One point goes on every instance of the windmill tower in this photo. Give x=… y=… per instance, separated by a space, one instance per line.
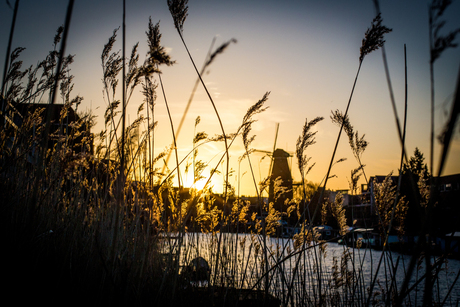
x=279 y=168
x=280 y=171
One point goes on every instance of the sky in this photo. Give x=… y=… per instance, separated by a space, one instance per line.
x=305 y=53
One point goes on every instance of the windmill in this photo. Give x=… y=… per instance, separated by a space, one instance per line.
x=279 y=168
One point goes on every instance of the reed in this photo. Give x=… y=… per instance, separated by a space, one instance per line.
x=108 y=222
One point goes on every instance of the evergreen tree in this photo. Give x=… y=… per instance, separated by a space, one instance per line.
x=416 y=165
x=414 y=189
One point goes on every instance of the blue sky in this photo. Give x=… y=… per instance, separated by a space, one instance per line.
x=304 y=52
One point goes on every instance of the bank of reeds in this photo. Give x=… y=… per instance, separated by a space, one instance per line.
x=94 y=218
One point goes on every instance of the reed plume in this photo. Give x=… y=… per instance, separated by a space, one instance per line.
x=156 y=54
x=438 y=44
x=373 y=38
x=338 y=212
x=357 y=144
x=179 y=12
x=306 y=139
x=385 y=194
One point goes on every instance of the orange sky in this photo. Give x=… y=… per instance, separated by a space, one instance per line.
x=304 y=52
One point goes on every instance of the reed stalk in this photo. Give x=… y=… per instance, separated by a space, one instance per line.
x=7 y=56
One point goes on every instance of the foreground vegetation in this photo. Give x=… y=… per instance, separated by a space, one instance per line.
x=92 y=218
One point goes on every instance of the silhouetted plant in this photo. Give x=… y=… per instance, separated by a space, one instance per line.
x=357 y=144
x=178 y=10
x=339 y=214
x=439 y=43
x=385 y=193
x=373 y=38
x=156 y=55
x=306 y=139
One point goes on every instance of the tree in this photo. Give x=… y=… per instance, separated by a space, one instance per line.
x=416 y=165
x=415 y=189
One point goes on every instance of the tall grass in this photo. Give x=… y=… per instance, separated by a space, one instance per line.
x=109 y=224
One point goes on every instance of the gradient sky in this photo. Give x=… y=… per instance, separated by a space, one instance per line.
x=304 y=52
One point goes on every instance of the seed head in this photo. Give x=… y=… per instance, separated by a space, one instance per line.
x=306 y=139
x=157 y=54
x=178 y=9
x=439 y=43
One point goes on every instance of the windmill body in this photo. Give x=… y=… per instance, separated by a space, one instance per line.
x=280 y=169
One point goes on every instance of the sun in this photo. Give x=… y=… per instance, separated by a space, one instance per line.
x=215 y=183
x=199 y=185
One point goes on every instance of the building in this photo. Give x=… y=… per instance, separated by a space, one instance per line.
x=446 y=213
x=280 y=171
x=63 y=121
